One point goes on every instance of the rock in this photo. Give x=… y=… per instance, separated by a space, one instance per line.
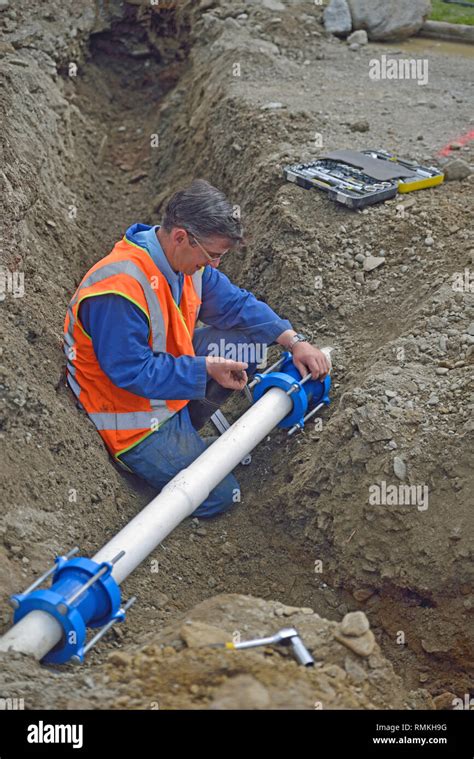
x=360 y=126
x=441 y=370
x=197 y=634
x=373 y=262
x=229 y=549
x=354 y=670
x=138 y=177
x=389 y=21
x=456 y=169
x=160 y=599
x=362 y=646
x=287 y=611
x=429 y=241
x=359 y=38
x=359 y=277
x=354 y=46
x=470 y=329
x=241 y=692
x=6 y=47
x=362 y=594
x=337 y=17
x=335 y=671
x=232 y=24
x=434 y=646
x=19 y=62
x=355 y=624
x=262 y=46
x=273 y=106
x=399 y=468
x=119 y=658
x=273 y=5
x=444 y=700
x=360 y=258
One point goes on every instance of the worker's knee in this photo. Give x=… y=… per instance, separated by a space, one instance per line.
x=221 y=499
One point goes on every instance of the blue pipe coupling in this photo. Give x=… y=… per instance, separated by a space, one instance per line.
x=289 y=379
x=83 y=594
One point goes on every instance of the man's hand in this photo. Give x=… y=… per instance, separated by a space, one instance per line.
x=227 y=373
x=307 y=358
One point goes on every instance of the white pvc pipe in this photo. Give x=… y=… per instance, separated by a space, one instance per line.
x=35 y=635
x=38 y=632
x=183 y=494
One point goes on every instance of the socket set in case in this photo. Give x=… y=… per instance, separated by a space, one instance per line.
x=360 y=179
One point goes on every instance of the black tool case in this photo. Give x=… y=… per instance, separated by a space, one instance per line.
x=360 y=179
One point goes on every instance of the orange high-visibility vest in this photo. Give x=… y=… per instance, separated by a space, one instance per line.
x=122 y=418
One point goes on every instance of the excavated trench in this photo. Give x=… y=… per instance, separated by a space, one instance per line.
x=154 y=104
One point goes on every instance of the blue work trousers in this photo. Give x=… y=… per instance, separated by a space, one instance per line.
x=176 y=444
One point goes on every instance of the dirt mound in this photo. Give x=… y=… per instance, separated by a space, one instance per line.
x=179 y=669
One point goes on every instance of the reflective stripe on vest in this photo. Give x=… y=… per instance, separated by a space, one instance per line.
x=126 y=267
x=157 y=328
x=126 y=420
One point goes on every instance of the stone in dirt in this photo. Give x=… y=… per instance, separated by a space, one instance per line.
x=362 y=646
x=373 y=262
x=273 y=106
x=355 y=624
x=360 y=126
x=444 y=700
x=358 y=37
x=273 y=5
x=337 y=17
x=385 y=20
x=456 y=169
x=197 y=633
x=354 y=670
x=399 y=468
x=362 y=594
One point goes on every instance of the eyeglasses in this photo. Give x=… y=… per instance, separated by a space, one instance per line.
x=209 y=256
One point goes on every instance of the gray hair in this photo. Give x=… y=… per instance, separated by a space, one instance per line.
x=203 y=211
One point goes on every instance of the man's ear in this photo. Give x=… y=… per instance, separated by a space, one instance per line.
x=179 y=235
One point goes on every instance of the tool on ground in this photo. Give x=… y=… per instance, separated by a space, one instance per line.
x=361 y=178
x=288 y=636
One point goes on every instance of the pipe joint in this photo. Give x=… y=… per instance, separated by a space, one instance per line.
x=83 y=594
x=302 y=393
